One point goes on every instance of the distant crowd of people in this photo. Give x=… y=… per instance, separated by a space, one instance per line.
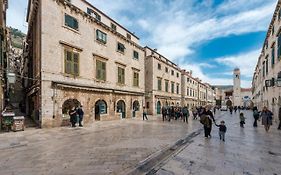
x=206 y=117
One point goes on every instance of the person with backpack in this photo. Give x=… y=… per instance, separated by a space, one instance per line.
x=206 y=119
x=256 y=116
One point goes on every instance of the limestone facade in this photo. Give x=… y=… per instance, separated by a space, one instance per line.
x=266 y=89
x=189 y=89
x=79 y=55
x=162 y=82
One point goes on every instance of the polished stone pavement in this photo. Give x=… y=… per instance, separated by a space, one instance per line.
x=111 y=147
x=249 y=151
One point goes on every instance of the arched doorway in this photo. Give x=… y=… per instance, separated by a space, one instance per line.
x=66 y=107
x=121 y=108
x=136 y=107
x=69 y=104
x=228 y=103
x=100 y=108
x=158 y=107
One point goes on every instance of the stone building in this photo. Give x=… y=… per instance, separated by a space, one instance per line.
x=80 y=56
x=189 y=88
x=210 y=94
x=162 y=82
x=3 y=52
x=266 y=80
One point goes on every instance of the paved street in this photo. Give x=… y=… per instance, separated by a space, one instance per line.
x=118 y=147
x=247 y=151
x=112 y=147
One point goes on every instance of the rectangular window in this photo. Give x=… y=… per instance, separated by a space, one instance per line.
x=177 y=74
x=187 y=79
x=129 y=36
x=136 y=55
x=90 y=11
x=172 y=72
x=159 y=66
x=101 y=36
x=178 y=88
x=136 y=79
x=113 y=26
x=147 y=105
x=120 y=47
x=173 y=87
x=121 y=75
x=279 y=47
x=263 y=69
x=70 y=21
x=167 y=86
x=71 y=60
x=272 y=55
x=266 y=65
x=159 y=83
x=100 y=70
x=166 y=70
x=187 y=91
x=272 y=30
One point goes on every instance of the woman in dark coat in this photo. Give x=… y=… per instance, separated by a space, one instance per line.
x=208 y=121
x=266 y=117
x=73 y=116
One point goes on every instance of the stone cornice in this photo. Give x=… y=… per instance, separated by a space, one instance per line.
x=99 y=23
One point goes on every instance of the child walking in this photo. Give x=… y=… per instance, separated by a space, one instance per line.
x=242 y=120
x=222 y=130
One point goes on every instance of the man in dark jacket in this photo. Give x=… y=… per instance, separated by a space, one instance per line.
x=185 y=113
x=80 y=113
x=279 y=116
x=164 y=113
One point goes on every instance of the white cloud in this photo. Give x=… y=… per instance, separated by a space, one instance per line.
x=245 y=61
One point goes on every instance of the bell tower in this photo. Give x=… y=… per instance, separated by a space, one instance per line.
x=237 y=101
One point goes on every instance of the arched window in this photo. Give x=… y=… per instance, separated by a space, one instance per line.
x=136 y=106
x=101 y=106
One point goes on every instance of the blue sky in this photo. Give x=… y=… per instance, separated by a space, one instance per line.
x=209 y=37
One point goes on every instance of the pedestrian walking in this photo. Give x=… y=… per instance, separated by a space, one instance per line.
x=185 y=113
x=164 y=113
x=80 y=113
x=231 y=109
x=266 y=118
x=256 y=116
x=194 y=113
x=206 y=119
x=169 y=115
x=222 y=130
x=144 y=113
x=73 y=116
x=242 y=120
x=214 y=110
x=279 y=116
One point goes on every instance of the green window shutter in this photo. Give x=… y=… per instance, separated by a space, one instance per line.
x=97 y=70
x=75 y=64
x=68 y=61
x=103 y=68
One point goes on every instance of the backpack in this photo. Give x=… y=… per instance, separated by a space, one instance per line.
x=256 y=114
x=203 y=119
